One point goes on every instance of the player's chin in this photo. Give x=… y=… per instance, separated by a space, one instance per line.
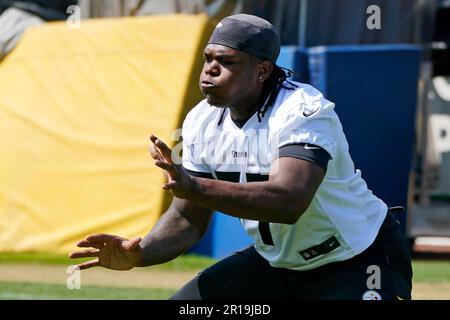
x=216 y=101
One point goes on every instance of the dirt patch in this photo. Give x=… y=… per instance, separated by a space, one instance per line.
x=136 y=278
x=431 y=291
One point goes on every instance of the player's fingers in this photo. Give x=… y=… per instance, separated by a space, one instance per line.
x=85 y=254
x=89 y=264
x=169 y=185
x=133 y=243
x=102 y=237
x=170 y=168
x=165 y=150
x=99 y=237
x=164 y=165
x=89 y=244
x=155 y=153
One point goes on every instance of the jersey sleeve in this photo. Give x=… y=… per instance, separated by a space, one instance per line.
x=308 y=152
x=309 y=123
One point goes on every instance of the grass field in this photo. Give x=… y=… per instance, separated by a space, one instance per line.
x=43 y=276
x=46 y=291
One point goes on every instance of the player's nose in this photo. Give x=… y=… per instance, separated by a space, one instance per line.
x=211 y=69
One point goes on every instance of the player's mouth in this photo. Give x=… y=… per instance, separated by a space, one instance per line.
x=205 y=84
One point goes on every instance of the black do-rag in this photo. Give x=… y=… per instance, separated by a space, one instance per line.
x=249 y=34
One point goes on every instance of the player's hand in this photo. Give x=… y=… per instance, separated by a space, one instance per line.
x=179 y=182
x=111 y=252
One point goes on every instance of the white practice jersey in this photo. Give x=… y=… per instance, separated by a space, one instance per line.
x=344 y=216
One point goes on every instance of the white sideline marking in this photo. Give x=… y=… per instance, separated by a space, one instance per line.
x=432 y=241
x=25 y=296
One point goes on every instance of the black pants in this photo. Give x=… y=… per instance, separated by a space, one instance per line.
x=247 y=275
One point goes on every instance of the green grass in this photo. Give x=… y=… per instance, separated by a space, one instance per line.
x=44 y=291
x=426 y=271
x=35 y=257
x=186 y=263
x=182 y=263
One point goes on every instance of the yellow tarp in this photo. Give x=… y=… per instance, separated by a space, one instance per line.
x=76 y=110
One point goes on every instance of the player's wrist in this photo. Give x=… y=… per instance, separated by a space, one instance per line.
x=193 y=187
x=140 y=259
x=145 y=258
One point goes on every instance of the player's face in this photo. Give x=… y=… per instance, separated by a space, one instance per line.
x=228 y=77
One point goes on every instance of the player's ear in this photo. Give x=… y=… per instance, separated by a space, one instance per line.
x=265 y=69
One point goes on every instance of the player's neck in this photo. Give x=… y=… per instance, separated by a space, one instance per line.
x=245 y=108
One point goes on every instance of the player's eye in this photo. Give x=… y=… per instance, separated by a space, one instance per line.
x=227 y=62
x=207 y=58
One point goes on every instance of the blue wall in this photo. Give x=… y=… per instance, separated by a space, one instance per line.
x=374 y=88
x=225 y=236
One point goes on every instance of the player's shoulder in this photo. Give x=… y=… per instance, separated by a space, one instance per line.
x=202 y=114
x=199 y=120
x=303 y=100
x=299 y=105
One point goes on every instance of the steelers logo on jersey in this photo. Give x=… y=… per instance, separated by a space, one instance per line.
x=371 y=295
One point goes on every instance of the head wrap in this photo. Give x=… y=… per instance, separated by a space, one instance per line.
x=248 y=33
